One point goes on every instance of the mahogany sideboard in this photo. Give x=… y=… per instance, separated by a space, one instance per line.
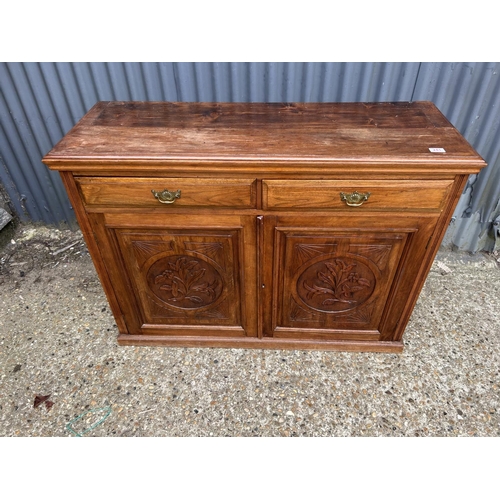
x=253 y=225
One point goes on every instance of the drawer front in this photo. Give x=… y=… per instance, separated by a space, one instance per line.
x=178 y=192
x=355 y=195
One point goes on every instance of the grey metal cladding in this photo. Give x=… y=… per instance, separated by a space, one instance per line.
x=40 y=102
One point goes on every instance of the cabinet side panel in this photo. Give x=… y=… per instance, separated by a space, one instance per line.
x=94 y=249
x=119 y=279
x=426 y=262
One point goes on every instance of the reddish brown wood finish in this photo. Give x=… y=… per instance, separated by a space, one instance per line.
x=329 y=132
x=384 y=194
x=137 y=192
x=259 y=249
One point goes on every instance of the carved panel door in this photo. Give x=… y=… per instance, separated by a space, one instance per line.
x=185 y=275
x=340 y=277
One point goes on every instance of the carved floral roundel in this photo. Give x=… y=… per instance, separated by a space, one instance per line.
x=184 y=281
x=336 y=285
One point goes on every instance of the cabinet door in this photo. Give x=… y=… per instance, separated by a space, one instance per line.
x=182 y=275
x=341 y=278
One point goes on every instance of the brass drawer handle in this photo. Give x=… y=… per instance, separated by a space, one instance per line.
x=166 y=196
x=354 y=199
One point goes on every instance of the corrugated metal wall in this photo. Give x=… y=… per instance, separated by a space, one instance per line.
x=40 y=102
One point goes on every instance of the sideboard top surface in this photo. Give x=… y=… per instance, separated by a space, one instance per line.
x=306 y=133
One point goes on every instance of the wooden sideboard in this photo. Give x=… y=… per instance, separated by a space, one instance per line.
x=253 y=225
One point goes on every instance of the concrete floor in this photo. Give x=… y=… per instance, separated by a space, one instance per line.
x=58 y=338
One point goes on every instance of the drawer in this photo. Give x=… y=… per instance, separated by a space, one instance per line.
x=184 y=192
x=326 y=194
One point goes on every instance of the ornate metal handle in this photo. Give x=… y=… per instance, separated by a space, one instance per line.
x=354 y=199
x=166 y=196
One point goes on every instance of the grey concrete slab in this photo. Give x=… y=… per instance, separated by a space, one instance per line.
x=58 y=338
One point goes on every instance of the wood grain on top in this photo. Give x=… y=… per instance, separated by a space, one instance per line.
x=264 y=132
